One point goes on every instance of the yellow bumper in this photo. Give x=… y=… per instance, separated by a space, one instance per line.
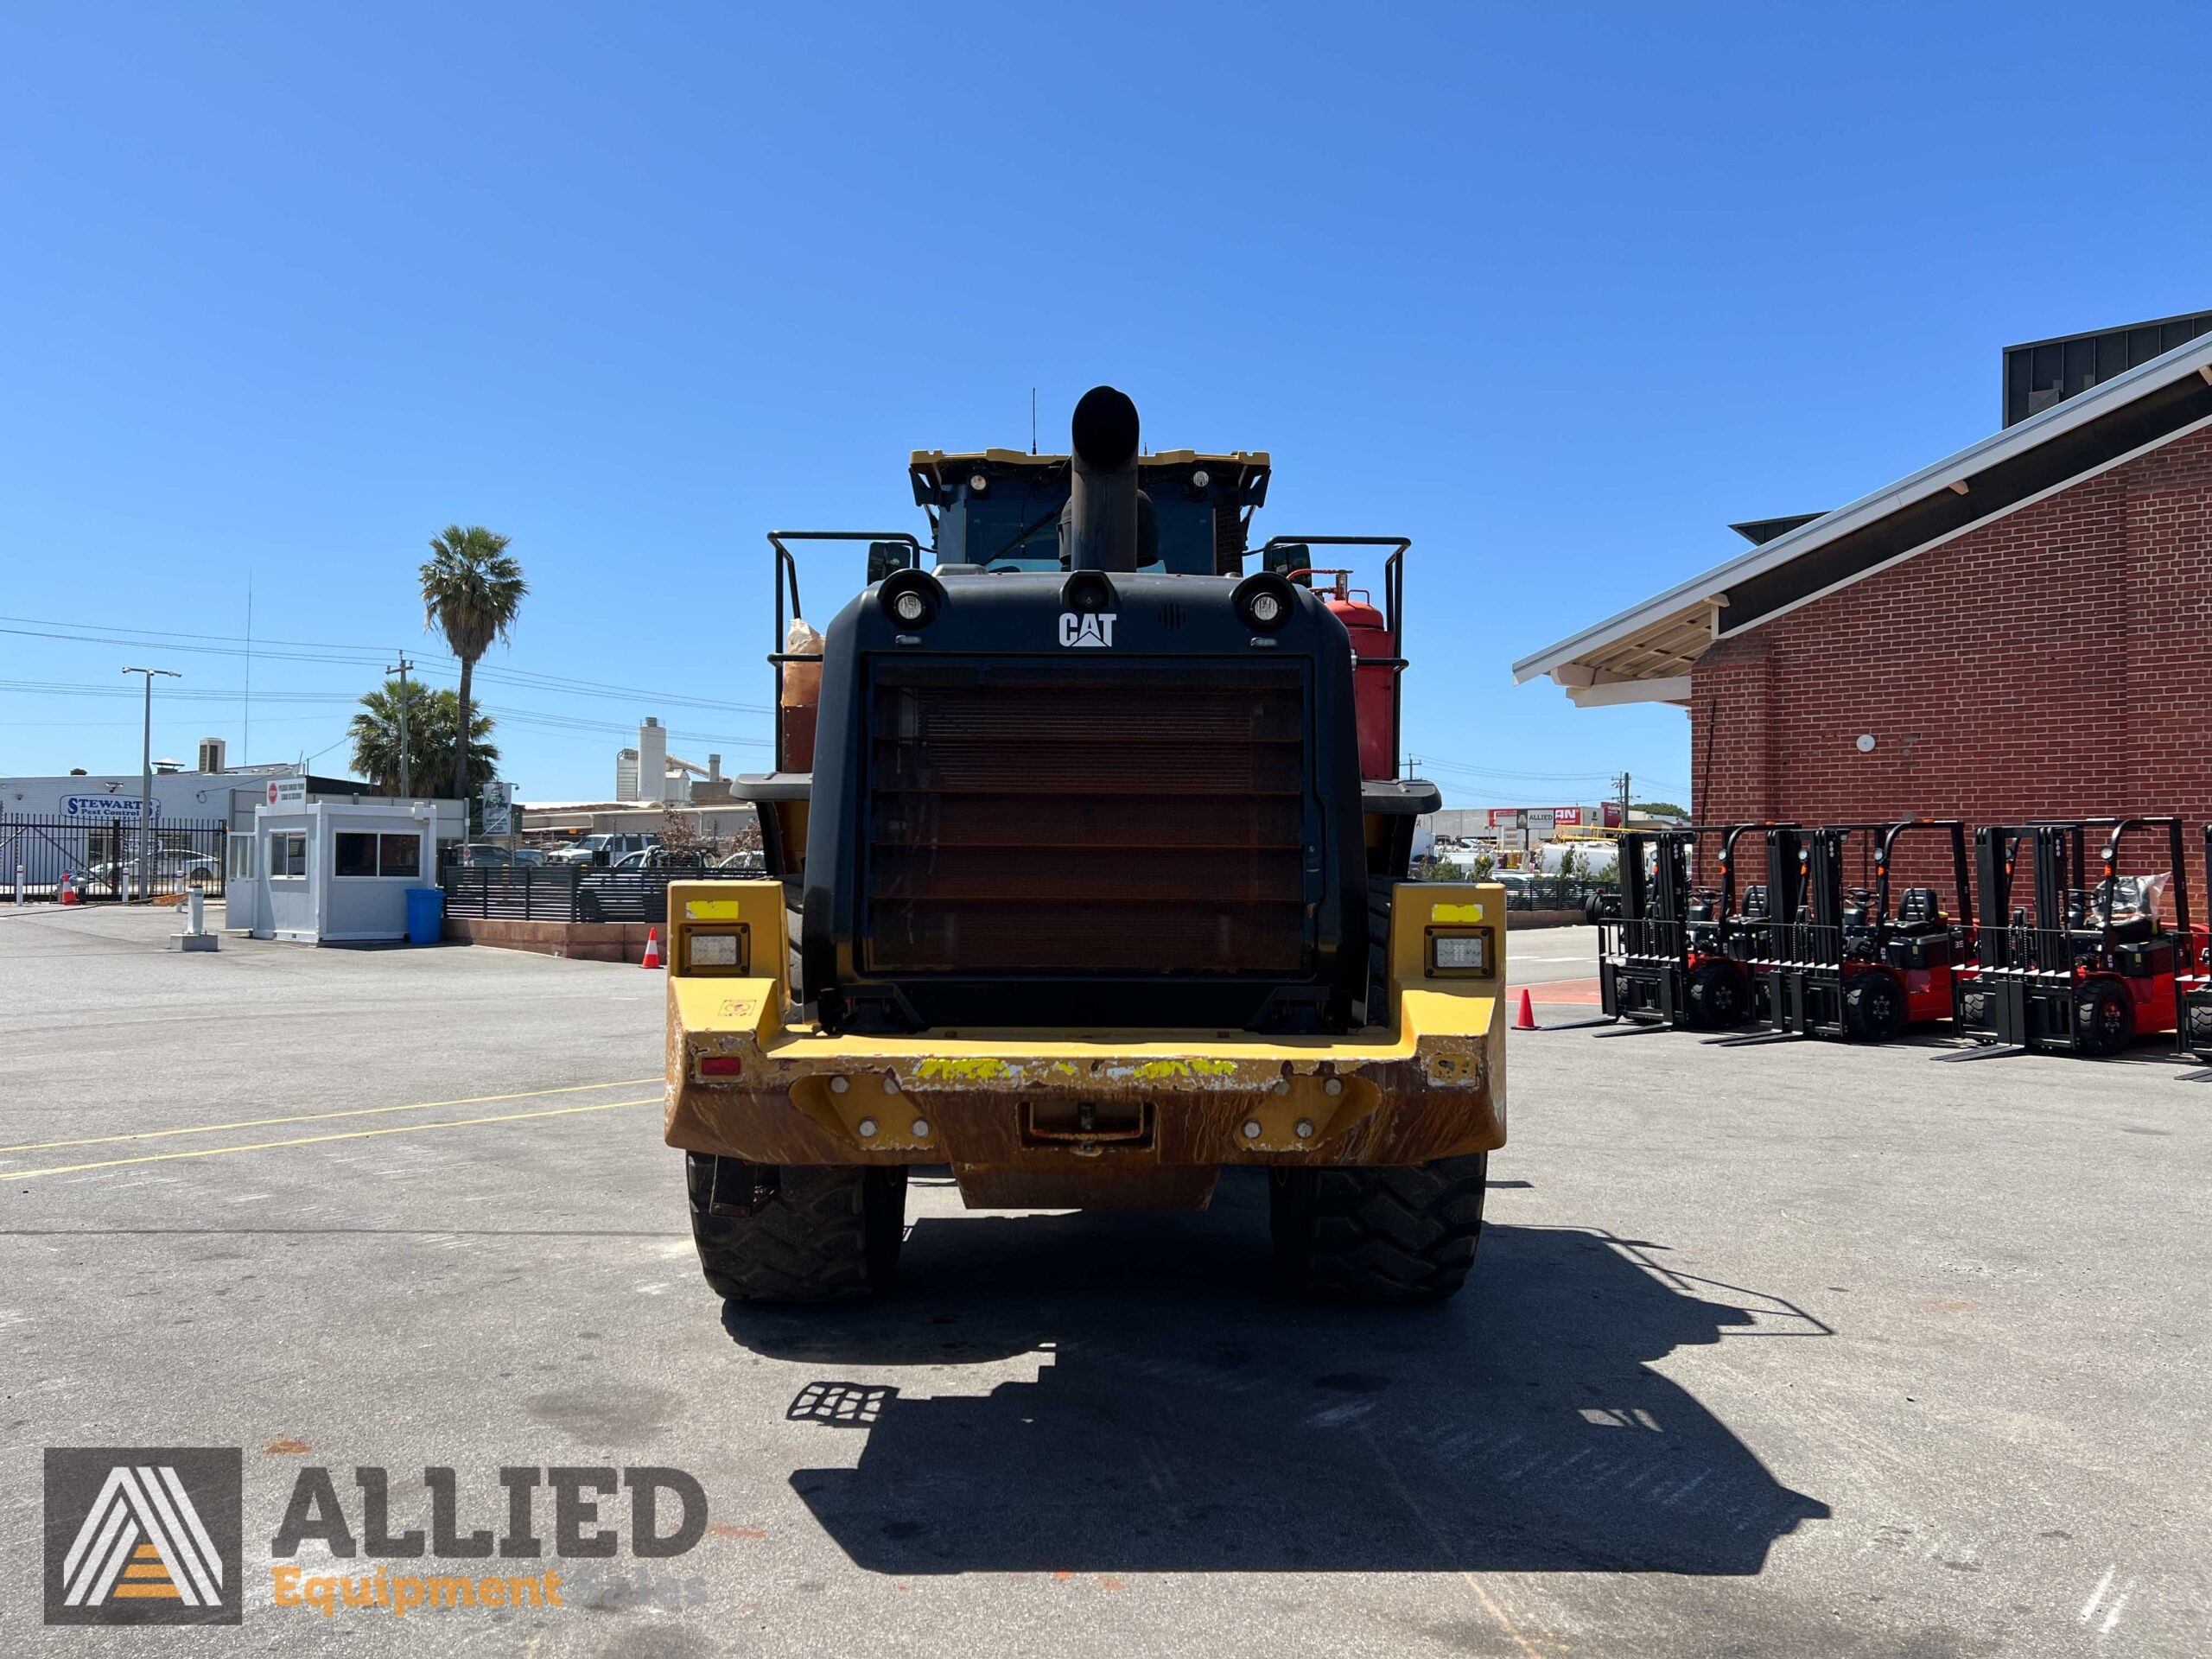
x=743 y=1084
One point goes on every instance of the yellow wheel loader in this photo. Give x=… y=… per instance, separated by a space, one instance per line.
x=1087 y=875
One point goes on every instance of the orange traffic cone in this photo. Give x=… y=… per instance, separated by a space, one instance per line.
x=1526 y=1020
x=652 y=948
x=68 y=889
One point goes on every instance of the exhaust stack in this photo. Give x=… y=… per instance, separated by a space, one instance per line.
x=1100 y=531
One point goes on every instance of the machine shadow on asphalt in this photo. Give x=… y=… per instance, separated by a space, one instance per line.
x=1180 y=1420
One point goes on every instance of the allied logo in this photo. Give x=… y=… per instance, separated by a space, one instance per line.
x=1097 y=629
x=143 y=1535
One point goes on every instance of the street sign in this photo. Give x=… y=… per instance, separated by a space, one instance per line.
x=498 y=798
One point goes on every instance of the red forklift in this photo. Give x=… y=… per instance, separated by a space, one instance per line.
x=1669 y=957
x=1835 y=961
x=2083 y=967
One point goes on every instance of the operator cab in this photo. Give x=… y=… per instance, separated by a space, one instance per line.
x=997 y=511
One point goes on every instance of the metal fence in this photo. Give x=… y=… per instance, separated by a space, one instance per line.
x=567 y=893
x=103 y=857
x=1557 y=892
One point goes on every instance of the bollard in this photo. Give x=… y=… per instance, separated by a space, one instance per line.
x=19 y=881
x=195 y=936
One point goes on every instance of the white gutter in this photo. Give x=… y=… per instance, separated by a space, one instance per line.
x=1674 y=689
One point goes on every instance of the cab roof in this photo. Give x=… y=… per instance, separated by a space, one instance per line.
x=936 y=471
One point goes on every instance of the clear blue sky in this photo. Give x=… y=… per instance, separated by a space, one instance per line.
x=1556 y=291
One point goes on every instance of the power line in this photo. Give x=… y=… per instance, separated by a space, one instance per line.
x=1506 y=772
x=365 y=656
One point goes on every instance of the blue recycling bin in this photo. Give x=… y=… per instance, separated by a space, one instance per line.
x=426 y=915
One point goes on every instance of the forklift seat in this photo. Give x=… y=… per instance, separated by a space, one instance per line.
x=1918 y=912
x=1755 y=908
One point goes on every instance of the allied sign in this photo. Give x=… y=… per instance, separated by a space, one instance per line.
x=1542 y=820
x=498 y=798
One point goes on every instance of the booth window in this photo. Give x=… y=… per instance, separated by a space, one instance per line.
x=361 y=854
x=287 y=853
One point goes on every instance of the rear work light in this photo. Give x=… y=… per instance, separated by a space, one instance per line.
x=717 y=949
x=1462 y=953
x=721 y=1065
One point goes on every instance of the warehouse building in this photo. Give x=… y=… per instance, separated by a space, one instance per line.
x=2023 y=629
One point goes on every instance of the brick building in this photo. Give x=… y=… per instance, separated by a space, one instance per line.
x=2022 y=630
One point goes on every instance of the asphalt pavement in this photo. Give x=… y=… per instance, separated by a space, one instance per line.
x=1772 y=1347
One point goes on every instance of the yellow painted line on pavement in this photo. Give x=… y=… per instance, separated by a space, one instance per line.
x=7 y=1175
x=317 y=1117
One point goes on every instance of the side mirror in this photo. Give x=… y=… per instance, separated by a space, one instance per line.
x=885 y=558
x=1292 y=560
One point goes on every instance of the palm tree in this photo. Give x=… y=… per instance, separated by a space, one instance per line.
x=432 y=717
x=471 y=590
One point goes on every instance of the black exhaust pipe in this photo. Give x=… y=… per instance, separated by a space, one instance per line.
x=1100 y=530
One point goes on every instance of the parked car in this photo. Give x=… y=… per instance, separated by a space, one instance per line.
x=479 y=855
x=662 y=858
x=601 y=898
x=166 y=871
x=749 y=858
x=601 y=849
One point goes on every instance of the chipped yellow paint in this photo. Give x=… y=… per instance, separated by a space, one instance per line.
x=1154 y=1070
x=1455 y=912
x=714 y=910
x=980 y=1070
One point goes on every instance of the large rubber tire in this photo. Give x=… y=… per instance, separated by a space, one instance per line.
x=824 y=1235
x=2104 y=1019
x=2199 y=1030
x=1874 y=1007
x=1721 y=997
x=1391 y=1236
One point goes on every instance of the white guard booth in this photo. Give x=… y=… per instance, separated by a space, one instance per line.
x=336 y=872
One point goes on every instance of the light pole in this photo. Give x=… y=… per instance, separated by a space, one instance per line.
x=406 y=779
x=146 y=770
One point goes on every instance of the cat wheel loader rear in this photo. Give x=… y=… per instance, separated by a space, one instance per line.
x=1088 y=877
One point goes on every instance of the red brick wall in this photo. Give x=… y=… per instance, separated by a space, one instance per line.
x=2056 y=662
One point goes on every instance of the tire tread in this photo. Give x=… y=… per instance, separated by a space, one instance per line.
x=1390 y=1235
x=808 y=1243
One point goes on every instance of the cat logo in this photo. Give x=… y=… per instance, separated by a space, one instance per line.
x=126 y=1540
x=1097 y=629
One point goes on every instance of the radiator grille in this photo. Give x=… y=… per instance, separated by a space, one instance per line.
x=1132 y=818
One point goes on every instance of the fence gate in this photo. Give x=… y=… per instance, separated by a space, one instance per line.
x=99 y=855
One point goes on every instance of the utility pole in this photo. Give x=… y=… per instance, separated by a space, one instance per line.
x=1624 y=788
x=146 y=772
x=406 y=779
